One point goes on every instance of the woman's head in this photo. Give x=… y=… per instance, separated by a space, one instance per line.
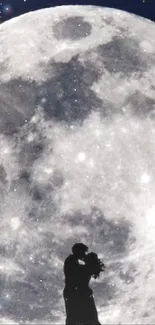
x=91 y=257
x=94 y=264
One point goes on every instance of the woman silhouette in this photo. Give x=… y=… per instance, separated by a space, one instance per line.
x=78 y=296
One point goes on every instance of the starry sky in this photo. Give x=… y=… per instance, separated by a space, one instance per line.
x=13 y=8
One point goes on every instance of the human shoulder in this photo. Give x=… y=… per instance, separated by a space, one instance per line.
x=69 y=263
x=69 y=258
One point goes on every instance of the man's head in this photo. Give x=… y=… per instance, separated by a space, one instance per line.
x=79 y=250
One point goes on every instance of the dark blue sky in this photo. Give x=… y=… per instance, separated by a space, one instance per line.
x=12 y=8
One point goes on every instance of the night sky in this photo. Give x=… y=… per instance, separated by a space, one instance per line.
x=13 y=8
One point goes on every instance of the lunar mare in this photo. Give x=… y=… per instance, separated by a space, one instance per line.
x=69 y=28
x=77 y=143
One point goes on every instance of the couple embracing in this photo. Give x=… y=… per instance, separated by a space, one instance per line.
x=79 y=267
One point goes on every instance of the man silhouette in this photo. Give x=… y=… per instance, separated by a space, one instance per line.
x=78 y=296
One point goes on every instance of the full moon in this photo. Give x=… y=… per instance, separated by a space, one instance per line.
x=77 y=161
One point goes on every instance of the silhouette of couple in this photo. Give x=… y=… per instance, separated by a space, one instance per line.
x=79 y=267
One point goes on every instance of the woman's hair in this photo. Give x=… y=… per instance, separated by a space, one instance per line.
x=95 y=265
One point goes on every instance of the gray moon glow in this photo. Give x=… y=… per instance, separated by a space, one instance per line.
x=77 y=160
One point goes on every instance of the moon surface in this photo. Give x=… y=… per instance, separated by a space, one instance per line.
x=77 y=161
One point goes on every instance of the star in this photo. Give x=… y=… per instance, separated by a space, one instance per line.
x=7 y=9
